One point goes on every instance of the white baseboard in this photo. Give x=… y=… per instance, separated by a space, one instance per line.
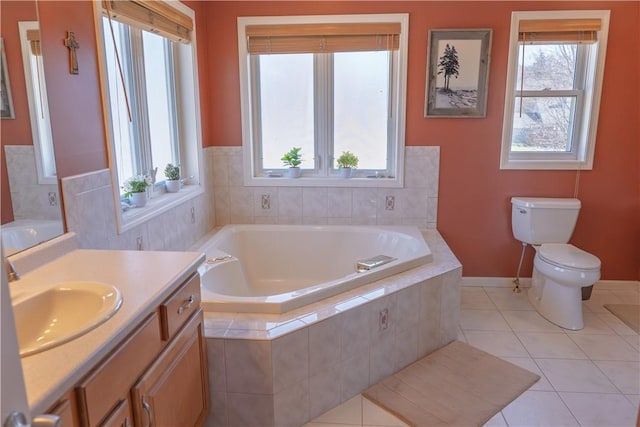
x=525 y=282
x=495 y=282
x=618 y=285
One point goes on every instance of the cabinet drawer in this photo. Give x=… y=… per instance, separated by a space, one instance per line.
x=113 y=378
x=180 y=306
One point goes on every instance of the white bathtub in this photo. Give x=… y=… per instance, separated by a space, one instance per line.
x=25 y=233
x=277 y=268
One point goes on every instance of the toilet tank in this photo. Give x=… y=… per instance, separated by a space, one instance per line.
x=536 y=220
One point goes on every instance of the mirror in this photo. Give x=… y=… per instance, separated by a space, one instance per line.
x=31 y=210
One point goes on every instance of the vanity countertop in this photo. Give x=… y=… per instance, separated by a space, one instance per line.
x=144 y=279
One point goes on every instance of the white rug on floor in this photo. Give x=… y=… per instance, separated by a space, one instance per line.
x=457 y=385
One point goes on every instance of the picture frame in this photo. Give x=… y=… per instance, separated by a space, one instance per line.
x=457 y=73
x=6 y=102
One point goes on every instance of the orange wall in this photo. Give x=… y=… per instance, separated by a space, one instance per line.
x=474 y=209
x=74 y=99
x=14 y=131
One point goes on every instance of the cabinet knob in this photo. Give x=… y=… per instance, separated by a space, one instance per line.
x=187 y=304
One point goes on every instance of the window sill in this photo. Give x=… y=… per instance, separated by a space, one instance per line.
x=546 y=165
x=156 y=206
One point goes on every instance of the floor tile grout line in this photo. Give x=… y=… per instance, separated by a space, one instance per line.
x=568 y=408
x=629 y=346
x=605 y=374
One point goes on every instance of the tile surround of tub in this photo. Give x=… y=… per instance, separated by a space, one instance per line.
x=323 y=364
x=415 y=204
x=90 y=213
x=309 y=360
x=30 y=199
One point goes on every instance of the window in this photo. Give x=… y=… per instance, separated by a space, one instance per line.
x=556 y=63
x=327 y=84
x=150 y=89
x=150 y=139
x=37 y=100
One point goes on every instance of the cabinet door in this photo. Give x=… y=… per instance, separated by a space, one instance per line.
x=112 y=379
x=65 y=409
x=120 y=416
x=174 y=391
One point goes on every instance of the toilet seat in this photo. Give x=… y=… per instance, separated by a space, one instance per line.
x=565 y=255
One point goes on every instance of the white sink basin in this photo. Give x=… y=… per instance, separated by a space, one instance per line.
x=61 y=313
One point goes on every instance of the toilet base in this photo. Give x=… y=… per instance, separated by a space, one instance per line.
x=560 y=304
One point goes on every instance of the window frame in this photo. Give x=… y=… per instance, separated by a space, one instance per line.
x=40 y=121
x=589 y=72
x=324 y=174
x=187 y=127
x=134 y=69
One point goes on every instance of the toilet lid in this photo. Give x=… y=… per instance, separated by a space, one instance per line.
x=566 y=255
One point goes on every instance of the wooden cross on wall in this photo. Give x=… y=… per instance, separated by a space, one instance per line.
x=71 y=43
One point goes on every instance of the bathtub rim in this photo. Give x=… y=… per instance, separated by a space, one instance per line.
x=52 y=228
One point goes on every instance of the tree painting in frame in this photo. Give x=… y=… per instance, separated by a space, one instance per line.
x=457 y=73
x=6 y=103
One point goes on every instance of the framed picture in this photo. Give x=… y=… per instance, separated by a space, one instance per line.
x=6 y=103
x=457 y=73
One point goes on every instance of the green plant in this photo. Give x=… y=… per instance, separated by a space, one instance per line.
x=136 y=184
x=292 y=158
x=172 y=172
x=347 y=160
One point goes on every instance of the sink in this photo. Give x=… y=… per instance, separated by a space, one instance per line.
x=61 y=313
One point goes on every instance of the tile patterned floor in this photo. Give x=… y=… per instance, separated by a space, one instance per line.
x=587 y=378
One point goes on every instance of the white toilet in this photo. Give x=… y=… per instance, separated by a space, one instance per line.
x=560 y=270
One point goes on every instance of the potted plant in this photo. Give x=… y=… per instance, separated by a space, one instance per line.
x=293 y=159
x=172 y=183
x=135 y=189
x=347 y=162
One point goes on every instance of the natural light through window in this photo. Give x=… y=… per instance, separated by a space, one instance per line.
x=338 y=84
x=361 y=113
x=149 y=141
x=286 y=106
x=149 y=79
x=555 y=72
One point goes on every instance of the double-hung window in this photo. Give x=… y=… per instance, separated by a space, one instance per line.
x=556 y=65
x=149 y=139
x=325 y=84
x=150 y=86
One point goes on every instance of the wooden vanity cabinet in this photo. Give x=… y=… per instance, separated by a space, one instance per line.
x=120 y=416
x=65 y=408
x=174 y=390
x=157 y=376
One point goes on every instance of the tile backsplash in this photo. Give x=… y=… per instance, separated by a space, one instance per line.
x=30 y=199
x=90 y=211
x=415 y=204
